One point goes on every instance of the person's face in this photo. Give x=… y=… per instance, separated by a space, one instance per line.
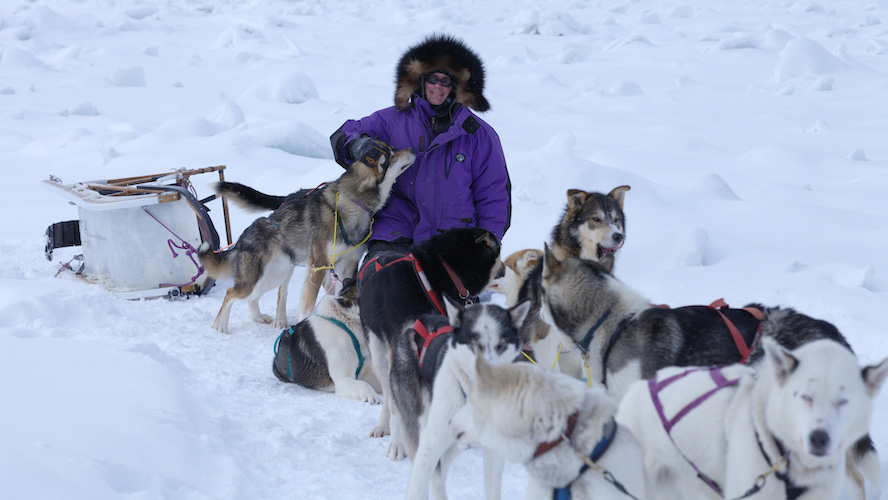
x=437 y=92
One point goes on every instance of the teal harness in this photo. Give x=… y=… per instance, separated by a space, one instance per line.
x=357 y=346
x=336 y=322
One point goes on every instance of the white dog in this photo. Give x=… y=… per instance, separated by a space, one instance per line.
x=554 y=425
x=781 y=430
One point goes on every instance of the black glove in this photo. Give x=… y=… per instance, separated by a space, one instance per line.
x=367 y=150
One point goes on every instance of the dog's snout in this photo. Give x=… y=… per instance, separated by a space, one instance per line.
x=618 y=237
x=819 y=442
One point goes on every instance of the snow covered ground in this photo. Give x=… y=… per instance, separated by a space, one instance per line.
x=752 y=133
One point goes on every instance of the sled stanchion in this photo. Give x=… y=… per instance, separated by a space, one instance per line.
x=225 y=207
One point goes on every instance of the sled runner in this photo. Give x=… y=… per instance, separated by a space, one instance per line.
x=139 y=235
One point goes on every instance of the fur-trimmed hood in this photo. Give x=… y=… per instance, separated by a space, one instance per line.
x=440 y=51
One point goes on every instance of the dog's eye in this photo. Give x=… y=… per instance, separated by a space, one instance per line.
x=842 y=402
x=808 y=399
x=501 y=347
x=596 y=219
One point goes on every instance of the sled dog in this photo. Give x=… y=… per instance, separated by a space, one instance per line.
x=592 y=227
x=396 y=289
x=327 y=351
x=432 y=370
x=780 y=430
x=328 y=223
x=551 y=423
x=625 y=338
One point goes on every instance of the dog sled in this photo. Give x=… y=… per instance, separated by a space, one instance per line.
x=138 y=235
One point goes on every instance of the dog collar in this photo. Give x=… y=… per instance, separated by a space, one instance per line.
x=608 y=431
x=463 y=292
x=548 y=445
x=363 y=206
x=584 y=344
x=793 y=490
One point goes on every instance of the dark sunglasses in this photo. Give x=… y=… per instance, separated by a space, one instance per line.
x=444 y=80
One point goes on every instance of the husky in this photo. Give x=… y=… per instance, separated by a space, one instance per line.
x=592 y=227
x=326 y=224
x=327 y=351
x=432 y=370
x=780 y=430
x=625 y=338
x=552 y=423
x=396 y=289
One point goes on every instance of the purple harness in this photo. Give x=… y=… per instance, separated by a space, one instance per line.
x=655 y=387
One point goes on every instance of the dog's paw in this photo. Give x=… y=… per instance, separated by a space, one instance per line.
x=282 y=324
x=357 y=389
x=379 y=432
x=396 y=451
x=264 y=318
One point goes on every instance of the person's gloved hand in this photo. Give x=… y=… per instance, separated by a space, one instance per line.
x=367 y=150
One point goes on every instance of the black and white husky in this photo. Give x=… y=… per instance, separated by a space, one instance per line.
x=327 y=351
x=432 y=371
x=396 y=289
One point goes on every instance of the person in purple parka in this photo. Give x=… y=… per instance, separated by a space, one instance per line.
x=460 y=177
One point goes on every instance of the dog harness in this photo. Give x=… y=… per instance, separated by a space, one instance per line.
x=354 y=340
x=655 y=386
x=793 y=491
x=290 y=331
x=608 y=431
x=429 y=338
x=375 y=264
x=743 y=348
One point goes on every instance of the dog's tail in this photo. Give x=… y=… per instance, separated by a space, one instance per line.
x=248 y=198
x=217 y=265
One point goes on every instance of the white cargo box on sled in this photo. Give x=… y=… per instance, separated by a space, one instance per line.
x=139 y=235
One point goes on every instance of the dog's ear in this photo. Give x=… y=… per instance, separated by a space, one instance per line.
x=381 y=163
x=576 y=198
x=518 y=313
x=617 y=194
x=529 y=260
x=782 y=362
x=454 y=311
x=487 y=238
x=551 y=264
x=874 y=376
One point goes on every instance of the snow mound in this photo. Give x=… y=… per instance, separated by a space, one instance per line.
x=133 y=76
x=805 y=57
x=20 y=58
x=532 y=22
x=295 y=138
x=291 y=87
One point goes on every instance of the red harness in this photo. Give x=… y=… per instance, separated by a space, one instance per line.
x=427 y=337
x=373 y=266
x=742 y=348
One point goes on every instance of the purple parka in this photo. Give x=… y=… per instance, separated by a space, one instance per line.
x=459 y=178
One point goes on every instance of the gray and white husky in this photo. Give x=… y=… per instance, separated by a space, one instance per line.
x=625 y=338
x=780 y=430
x=592 y=226
x=306 y=229
x=432 y=372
